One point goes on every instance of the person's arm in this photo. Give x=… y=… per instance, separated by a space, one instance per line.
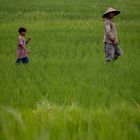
x=28 y=40
x=21 y=44
x=24 y=47
x=108 y=32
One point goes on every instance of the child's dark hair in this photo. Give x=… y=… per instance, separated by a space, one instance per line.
x=22 y=29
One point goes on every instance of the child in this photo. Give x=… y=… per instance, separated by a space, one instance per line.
x=112 y=48
x=22 y=52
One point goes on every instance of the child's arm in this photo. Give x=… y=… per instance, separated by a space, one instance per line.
x=22 y=44
x=24 y=47
x=28 y=40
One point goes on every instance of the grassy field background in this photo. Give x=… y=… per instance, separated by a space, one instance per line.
x=67 y=92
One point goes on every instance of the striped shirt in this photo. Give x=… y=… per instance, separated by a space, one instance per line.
x=21 y=52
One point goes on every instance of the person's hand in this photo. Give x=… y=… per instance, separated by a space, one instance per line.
x=115 y=43
x=29 y=38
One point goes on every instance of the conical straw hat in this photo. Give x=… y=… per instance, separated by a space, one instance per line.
x=109 y=10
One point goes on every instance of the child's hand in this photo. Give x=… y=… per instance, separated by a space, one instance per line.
x=29 y=38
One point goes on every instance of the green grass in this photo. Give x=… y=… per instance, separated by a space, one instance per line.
x=67 y=92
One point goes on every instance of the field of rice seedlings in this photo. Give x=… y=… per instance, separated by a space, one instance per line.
x=67 y=91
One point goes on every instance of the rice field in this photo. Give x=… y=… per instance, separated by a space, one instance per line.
x=67 y=92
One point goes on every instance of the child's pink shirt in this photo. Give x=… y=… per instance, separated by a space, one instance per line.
x=21 y=52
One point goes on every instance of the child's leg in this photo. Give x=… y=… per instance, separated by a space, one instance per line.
x=18 y=61
x=25 y=60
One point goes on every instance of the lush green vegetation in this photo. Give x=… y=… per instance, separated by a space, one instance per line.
x=67 y=92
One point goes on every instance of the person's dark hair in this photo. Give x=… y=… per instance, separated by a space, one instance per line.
x=21 y=29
